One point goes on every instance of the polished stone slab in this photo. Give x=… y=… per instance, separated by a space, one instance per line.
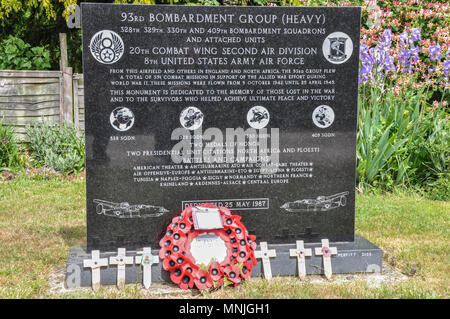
x=158 y=80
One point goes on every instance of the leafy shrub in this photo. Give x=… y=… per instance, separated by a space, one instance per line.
x=401 y=141
x=56 y=147
x=10 y=151
x=15 y=54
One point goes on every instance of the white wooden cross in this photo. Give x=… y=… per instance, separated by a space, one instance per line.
x=265 y=255
x=301 y=253
x=121 y=260
x=326 y=251
x=95 y=263
x=146 y=260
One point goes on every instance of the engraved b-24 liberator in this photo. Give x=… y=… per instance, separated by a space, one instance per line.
x=125 y=210
x=321 y=203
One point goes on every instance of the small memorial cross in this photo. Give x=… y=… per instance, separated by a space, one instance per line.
x=326 y=251
x=95 y=263
x=121 y=260
x=301 y=253
x=146 y=260
x=265 y=255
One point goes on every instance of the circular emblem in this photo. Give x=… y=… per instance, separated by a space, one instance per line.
x=337 y=47
x=106 y=47
x=148 y=259
x=258 y=117
x=191 y=118
x=323 y=116
x=204 y=258
x=121 y=118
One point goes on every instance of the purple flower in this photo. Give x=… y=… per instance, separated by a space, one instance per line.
x=365 y=73
x=415 y=34
x=387 y=37
x=435 y=53
x=366 y=63
x=4 y=140
x=404 y=38
x=389 y=63
x=414 y=53
x=404 y=60
x=446 y=69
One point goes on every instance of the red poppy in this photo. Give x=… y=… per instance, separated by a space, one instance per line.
x=246 y=271
x=243 y=254
x=251 y=240
x=186 y=282
x=163 y=253
x=165 y=242
x=176 y=275
x=238 y=229
x=215 y=271
x=172 y=261
x=187 y=277
x=184 y=225
x=232 y=272
x=202 y=280
x=326 y=251
x=229 y=221
x=178 y=238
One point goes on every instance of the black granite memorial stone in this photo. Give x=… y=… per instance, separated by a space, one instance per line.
x=253 y=108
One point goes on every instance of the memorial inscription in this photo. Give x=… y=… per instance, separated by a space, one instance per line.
x=252 y=108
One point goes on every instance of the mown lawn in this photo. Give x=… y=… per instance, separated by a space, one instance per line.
x=39 y=221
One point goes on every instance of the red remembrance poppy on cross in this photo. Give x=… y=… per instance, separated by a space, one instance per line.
x=326 y=252
x=178 y=260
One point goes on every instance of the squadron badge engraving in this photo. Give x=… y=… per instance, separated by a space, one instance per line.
x=106 y=47
x=337 y=47
x=258 y=117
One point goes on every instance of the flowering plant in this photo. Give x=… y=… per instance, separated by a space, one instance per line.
x=42 y=173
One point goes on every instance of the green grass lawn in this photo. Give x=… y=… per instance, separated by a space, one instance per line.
x=39 y=221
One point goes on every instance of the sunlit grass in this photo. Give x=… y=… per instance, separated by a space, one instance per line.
x=39 y=221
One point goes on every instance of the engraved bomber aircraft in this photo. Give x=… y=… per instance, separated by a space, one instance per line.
x=321 y=203
x=125 y=210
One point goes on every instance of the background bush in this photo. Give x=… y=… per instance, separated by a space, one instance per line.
x=18 y=55
x=10 y=152
x=402 y=141
x=56 y=147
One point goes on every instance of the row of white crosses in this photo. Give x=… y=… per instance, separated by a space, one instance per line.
x=300 y=252
x=145 y=259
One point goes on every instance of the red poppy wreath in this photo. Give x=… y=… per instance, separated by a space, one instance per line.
x=228 y=259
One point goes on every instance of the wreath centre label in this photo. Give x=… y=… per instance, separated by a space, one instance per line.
x=208 y=247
